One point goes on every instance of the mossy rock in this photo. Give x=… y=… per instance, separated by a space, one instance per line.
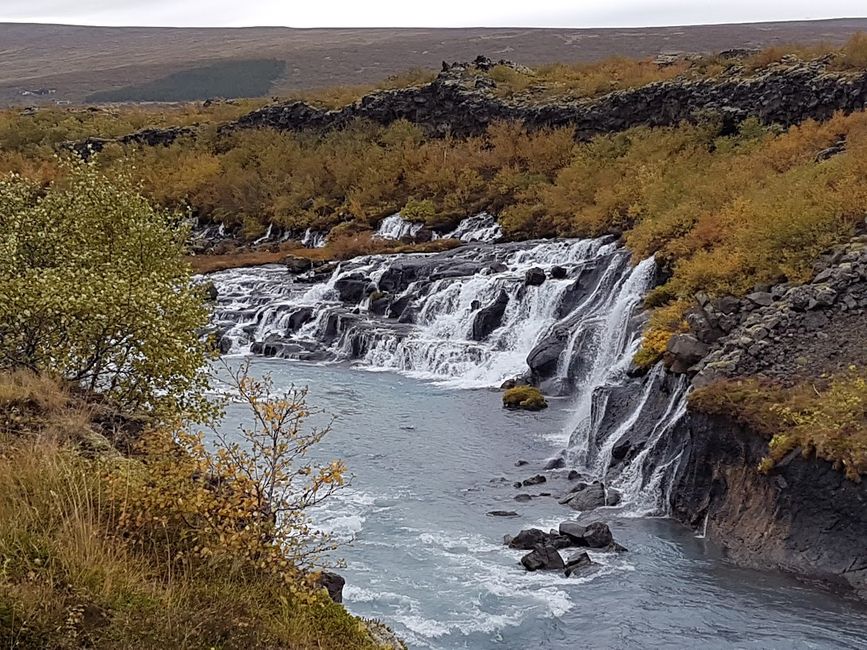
x=527 y=398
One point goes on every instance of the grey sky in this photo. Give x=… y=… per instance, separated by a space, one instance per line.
x=412 y=13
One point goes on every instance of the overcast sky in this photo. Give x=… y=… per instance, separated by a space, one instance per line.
x=430 y=13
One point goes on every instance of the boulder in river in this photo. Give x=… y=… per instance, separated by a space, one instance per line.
x=534 y=277
x=558 y=272
x=543 y=558
x=598 y=535
x=576 y=563
x=489 y=318
x=574 y=531
x=528 y=539
x=527 y=398
x=534 y=480
x=502 y=513
x=351 y=288
x=585 y=497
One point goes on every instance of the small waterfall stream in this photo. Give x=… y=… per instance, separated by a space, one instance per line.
x=564 y=313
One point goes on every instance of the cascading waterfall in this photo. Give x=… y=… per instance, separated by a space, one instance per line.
x=563 y=313
x=396 y=227
x=313 y=239
x=482 y=227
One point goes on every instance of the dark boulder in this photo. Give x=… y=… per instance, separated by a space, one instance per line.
x=298 y=318
x=598 y=535
x=534 y=277
x=586 y=498
x=333 y=583
x=502 y=513
x=489 y=318
x=556 y=463
x=543 y=558
x=522 y=497
x=574 y=531
x=543 y=358
x=534 y=480
x=527 y=539
x=351 y=288
x=558 y=272
x=683 y=352
x=514 y=382
x=225 y=345
x=576 y=563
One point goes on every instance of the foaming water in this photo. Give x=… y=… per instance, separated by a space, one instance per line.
x=429 y=462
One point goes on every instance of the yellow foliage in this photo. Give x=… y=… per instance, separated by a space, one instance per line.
x=827 y=417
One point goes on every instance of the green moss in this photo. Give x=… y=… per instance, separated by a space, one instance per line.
x=527 y=398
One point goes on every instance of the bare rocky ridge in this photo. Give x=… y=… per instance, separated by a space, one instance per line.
x=461 y=103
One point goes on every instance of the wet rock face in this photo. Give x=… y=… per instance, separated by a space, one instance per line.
x=456 y=104
x=784 y=332
x=803 y=516
x=543 y=558
x=490 y=317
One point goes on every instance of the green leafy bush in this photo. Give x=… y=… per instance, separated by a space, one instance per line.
x=95 y=290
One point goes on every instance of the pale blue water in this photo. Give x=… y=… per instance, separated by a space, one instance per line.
x=430 y=462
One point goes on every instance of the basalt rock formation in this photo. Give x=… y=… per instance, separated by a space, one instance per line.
x=804 y=515
x=462 y=102
x=785 y=331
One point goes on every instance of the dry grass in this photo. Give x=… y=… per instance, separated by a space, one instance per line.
x=70 y=577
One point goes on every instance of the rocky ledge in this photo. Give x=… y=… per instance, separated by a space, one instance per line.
x=804 y=516
x=785 y=331
x=461 y=102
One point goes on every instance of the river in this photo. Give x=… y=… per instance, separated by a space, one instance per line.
x=429 y=461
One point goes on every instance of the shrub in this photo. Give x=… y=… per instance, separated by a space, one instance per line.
x=95 y=290
x=527 y=398
x=180 y=546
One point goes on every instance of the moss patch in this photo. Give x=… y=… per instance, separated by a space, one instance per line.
x=527 y=398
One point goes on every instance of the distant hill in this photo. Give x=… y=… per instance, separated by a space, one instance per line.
x=77 y=62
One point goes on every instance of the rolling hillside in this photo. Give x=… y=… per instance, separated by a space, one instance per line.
x=75 y=62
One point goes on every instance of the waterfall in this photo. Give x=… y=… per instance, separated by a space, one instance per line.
x=396 y=227
x=266 y=236
x=562 y=313
x=313 y=239
x=482 y=227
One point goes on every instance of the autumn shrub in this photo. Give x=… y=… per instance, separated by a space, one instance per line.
x=184 y=545
x=826 y=417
